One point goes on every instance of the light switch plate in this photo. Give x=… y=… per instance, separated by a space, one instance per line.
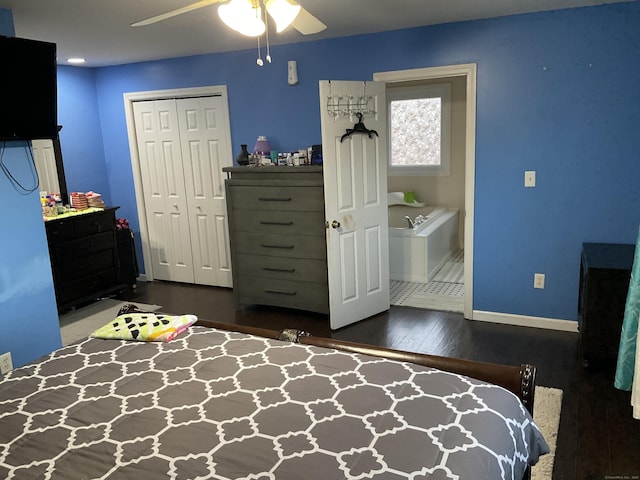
x=6 y=365
x=530 y=178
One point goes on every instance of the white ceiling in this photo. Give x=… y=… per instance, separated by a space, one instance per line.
x=99 y=29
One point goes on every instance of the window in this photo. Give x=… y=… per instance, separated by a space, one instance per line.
x=419 y=129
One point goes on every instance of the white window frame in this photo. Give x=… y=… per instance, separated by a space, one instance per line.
x=442 y=91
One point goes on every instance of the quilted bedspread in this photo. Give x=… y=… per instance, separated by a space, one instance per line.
x=222 y=405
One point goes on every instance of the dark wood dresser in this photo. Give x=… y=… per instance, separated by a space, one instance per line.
x=277 y=236
x=84 y=257
x=605 y=271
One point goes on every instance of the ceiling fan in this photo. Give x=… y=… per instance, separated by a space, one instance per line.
x=303 y=21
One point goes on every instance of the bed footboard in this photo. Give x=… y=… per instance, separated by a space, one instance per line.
x=517 y=379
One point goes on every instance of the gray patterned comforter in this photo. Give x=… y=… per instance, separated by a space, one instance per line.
x=222 y=405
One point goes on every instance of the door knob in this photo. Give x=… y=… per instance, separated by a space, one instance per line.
x=335 y=224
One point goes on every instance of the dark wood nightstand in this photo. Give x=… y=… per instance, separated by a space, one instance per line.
x=605 y=271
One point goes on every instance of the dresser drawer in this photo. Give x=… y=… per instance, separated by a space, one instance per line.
x=102 y=222
x=284 y=293
x=277 y=198
x=296 y=269
x=59 y=230
x=79 y=267
x=285 y=222
x=88 y=287
x=291 y=246
x=68 y=251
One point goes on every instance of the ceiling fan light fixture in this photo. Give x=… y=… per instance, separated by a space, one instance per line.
x=283 y=12
x=243 y=16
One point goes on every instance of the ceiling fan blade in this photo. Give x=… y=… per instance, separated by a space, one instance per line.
x=176 y=12
x=307 y=24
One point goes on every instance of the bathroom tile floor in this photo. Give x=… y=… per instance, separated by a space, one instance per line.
x=443 y=296
x=444 y=293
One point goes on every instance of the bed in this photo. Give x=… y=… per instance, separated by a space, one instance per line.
x=225 y=401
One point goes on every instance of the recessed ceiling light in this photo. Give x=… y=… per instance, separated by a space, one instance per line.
x=75 y=60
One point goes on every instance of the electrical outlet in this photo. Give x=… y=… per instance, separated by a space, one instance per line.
x=538 y=280
x=6 y=365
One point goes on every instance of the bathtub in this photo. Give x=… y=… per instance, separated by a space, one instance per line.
x=416 y=254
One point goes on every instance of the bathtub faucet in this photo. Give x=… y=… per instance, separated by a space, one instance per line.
x=411 y=225
x=414 y=223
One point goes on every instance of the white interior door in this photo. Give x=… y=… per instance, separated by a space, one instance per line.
x=161 y=167
x=355 y=191
x=203 y=136
x=45 y=159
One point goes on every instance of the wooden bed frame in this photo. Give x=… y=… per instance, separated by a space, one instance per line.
x=519 y=380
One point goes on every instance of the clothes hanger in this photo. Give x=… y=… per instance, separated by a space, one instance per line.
x=358 y=128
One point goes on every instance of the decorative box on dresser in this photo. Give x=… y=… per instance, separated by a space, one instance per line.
x=605 y=271
x=84 y=257
x=277 y=236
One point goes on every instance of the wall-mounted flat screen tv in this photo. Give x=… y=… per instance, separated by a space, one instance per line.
x=28 y=89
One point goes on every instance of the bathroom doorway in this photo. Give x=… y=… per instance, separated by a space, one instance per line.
x=451 y=287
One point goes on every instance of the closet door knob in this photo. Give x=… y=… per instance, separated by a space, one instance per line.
x=335 y=224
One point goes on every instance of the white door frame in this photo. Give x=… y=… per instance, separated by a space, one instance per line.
x=129 y=98
x=469 y=71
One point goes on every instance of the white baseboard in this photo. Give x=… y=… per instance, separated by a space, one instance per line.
x=526 y=321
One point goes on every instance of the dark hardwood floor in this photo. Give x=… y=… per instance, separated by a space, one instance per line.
x=597 y=439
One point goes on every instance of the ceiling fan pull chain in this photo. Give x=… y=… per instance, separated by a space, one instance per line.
x=266 y=29
x=259 y=60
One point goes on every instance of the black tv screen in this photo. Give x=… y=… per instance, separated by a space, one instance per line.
x=28 y=89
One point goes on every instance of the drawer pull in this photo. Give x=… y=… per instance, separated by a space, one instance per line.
x=284 y=247
x=274 y=199
x=280 y=292
x=285 y=270
x=285 y=224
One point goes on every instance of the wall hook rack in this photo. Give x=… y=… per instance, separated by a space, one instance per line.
x=349 y=105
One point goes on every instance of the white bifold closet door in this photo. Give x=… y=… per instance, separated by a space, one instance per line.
x=180 y=145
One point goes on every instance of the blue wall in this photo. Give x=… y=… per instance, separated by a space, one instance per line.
x=28 y=313
x=81 y=135
x=6 y=23
x=557 y=93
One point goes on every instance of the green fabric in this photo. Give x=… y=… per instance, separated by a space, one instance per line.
x=409 y=197
x=627 y=350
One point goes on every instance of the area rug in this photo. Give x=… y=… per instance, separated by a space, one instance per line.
x=546 y=414
x=80 y=323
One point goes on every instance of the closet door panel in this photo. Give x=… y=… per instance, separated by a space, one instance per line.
x=158 y=137
x=203 y=141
